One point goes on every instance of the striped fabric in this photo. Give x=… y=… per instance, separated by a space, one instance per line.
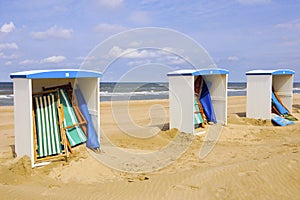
x=197 y=116
x=75 y=134
x=47 y=130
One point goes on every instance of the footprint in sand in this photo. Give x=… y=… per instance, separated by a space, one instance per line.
x=247 y=173
x=221 y=193
x=184 y=187
x=292 y=163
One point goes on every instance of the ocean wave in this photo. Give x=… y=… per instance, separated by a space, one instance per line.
x=236 y=89
x=10 y=96
x=296 y=90
x=7 y=99
x=140 y=93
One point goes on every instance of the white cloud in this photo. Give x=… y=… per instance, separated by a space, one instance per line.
x=8 y=46
x=109 y=28
x=233 y=58
x=53 y=32
x=110 y=3
x=134 y=53
x=169 y=60
x=116 y=51
x=53 y=59
x=138 y=62
x=139 y=17
x=3 y=56
x=8 y=63
x=135 y=44
x=144 y=56
x=86 y=58
x=7 y=28
x=252 y=2
x=168 y=50
x=28 y=62
x=175 y=60
x=166 y=53
x=293 y=25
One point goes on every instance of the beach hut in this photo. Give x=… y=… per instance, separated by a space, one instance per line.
x=260 y=84
x=182 y=96
x=29 y=83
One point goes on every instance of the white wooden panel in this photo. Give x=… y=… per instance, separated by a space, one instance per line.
x=225 y=102
x=23 y=118
x=89 y=88
x=283 y=84
x=259 y=96
x=181 y=97
x=217 y=85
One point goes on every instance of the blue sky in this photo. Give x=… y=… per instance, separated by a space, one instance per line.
x=239 y=35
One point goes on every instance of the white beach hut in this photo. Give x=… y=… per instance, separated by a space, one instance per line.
x=28 y=82
x=181 y=96
x=259 y=91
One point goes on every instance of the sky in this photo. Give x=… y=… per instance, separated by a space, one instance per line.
x=142 y=40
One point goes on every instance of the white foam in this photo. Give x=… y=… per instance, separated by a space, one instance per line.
x=10 y=96
x=141 y=93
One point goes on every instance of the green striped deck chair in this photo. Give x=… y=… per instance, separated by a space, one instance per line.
x=47 y=129
x=197 y=115
x=74 y=133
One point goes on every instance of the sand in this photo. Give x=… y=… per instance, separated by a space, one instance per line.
x=142 y=159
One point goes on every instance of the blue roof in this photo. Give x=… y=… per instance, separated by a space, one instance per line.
x=58 y=73
x=193 y=72
x=270 y=72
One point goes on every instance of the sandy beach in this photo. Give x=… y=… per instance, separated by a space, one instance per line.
x=252 y=159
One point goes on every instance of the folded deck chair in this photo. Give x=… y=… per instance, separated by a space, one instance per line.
x=74 y=133
x=67 y=87
x=198 y=85
x=198 y=89
x=280 y=121
x=47 y=129
x=280 y=108
x=198 y=120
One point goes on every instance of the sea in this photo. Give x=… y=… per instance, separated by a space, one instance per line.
x=112 y=91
